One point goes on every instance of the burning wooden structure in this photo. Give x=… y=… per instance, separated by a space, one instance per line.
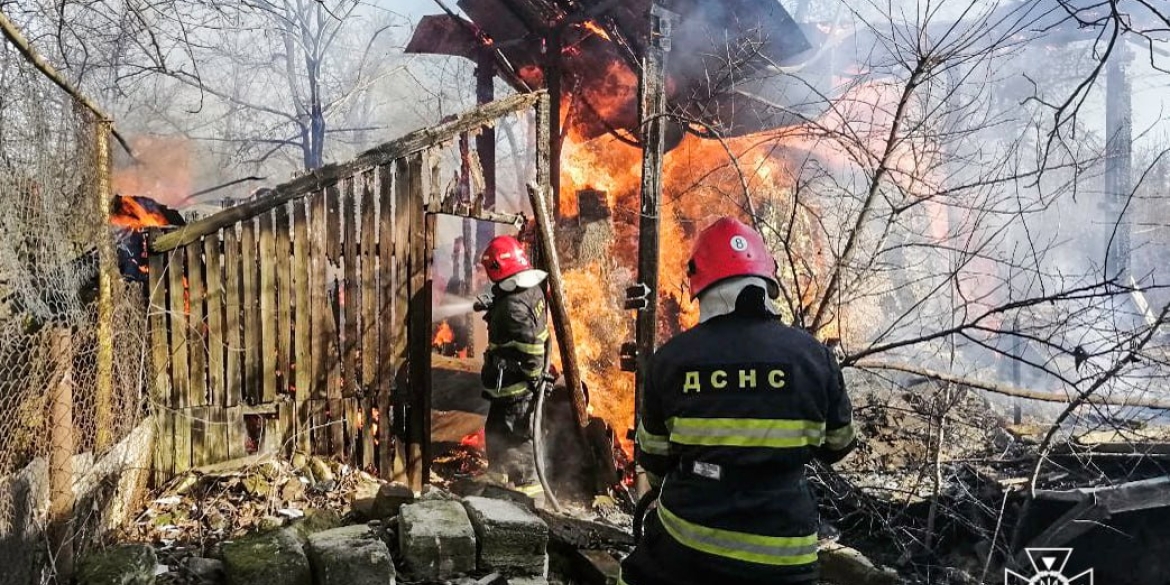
x=301 y=321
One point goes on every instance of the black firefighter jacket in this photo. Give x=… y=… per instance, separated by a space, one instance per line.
x=733 y=410
x=517 y=334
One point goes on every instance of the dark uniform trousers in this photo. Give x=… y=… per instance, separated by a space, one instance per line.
x=733 y=410
x=515 y=357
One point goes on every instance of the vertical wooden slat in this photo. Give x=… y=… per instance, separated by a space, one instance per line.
x=182 y=440
x=237 y=432
x=215 y=319
x=199 y=436
x=407 y=182
x=180 y=381
x=217 y=435
x=270 y=436
x=303 y=330
x=196 y=342
x=286 y=422
x=369 y=317
x=334 y=373
x=319 y=419
x=318 y=298
x=351 y=308
x=249 y=308
x=267 y=261
x=387 y=325
x=419 y=328
x=160 y=364
x=233 y=304
x=164 y=447
x=284 y=294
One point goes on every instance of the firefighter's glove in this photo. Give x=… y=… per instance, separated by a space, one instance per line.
x=483 y=302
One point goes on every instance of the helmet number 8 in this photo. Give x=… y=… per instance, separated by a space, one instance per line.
x=739 y=243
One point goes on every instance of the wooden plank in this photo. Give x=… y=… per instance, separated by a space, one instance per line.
x=318 y=298
x=196 y=341
x=286 y=423
x=164 y=446
x=369 y=316
x=328 y=175
x=249 y=308
x=237 y=432
x=217 y=435
x=302 y=322
x=182 y=440
x=319 y=420
x=200 y=436
x=419 y=328
x=334 y=373
x=337 y=443
x=267 y=262
x=407 y=182
x=233 y=305
x=159 y=337
x=386 y=322
x=178 y=317
x=270 y=442
x=354 y=422
x=284 y=299
x=215 y=319
x=351 y=308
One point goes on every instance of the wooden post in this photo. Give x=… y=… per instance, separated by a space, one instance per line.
x=107 y=274
x=560 y=310
x=653 y=132
x=61 y=453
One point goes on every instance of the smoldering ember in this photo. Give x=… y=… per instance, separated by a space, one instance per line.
x=360 y=292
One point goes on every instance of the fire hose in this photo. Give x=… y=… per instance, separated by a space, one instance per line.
x=640 y=511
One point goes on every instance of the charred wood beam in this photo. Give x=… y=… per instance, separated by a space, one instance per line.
x=560 y=309
x=1007 y=389
x=652 y=110
x=329 y=175
x=503 y=66
x=476 y=211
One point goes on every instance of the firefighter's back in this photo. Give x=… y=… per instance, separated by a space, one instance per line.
x=745 y=402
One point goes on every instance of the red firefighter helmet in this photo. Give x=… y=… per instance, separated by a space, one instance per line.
x=728 y=248
x=504 y=257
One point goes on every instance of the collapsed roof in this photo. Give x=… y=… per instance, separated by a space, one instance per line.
x=726 y=70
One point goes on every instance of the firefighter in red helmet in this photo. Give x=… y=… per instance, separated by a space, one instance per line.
x=732 y=411
x=514 y=362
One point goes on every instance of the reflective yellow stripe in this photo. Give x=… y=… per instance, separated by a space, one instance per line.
x=745 y=432
x=840 y=438
x=751 y=548
x=510 y=390
x=529 y=348
x=651 y=443
x=621 y=581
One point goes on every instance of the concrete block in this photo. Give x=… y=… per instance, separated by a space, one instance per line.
x=271 y=558
x=527 y=581
x=436 y=539
x=512 y=540
x=352 y=555
x=128 y=564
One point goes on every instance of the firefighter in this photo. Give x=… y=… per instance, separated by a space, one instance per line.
x=732 y=411
x=514 y=362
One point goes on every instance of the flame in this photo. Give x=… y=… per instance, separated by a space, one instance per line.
x=700 y=183
x=128 y=212
x=593 y=27
x=476 y=440
x=443 y=336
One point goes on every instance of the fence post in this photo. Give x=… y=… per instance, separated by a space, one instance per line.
x=61 y=453
x=104 y=392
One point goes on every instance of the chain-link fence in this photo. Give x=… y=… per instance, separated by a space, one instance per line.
x=63 y=405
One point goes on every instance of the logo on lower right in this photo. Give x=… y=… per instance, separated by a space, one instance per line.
x=1048 y=569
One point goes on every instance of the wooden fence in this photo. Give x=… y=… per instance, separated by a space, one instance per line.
x=301 y=321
